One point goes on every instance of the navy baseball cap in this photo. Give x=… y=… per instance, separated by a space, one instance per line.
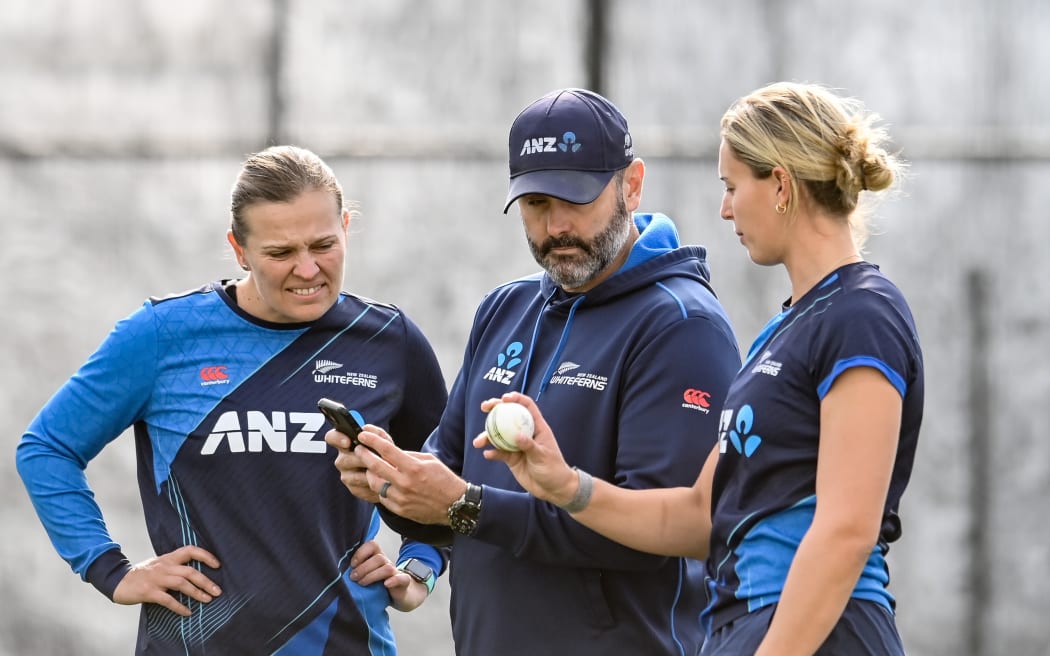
x=568 y=144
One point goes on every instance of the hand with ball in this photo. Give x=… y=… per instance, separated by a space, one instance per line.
x=524 y=441
x=507 y=423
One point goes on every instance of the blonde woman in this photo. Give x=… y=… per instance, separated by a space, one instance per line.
x=796 y=506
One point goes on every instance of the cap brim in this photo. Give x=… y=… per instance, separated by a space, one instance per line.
x=578 y=187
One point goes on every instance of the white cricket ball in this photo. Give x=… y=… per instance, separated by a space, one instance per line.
x=506 y=423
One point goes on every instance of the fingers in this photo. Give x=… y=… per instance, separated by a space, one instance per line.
x=524 y=443
x=355 y=479
x=406 y=593
x=492 y=453
x=371 y=565
x=387 y=469
x=189 y=553
x=380 y=486
x=338 y=440
x=156 y=580
x=390 y=458
x=376 y=430
x=517 y=397
x=482 y=441
x=191 y=580
x=148 y=595
x=186 y=583
x=351 y=467
x=364 y=552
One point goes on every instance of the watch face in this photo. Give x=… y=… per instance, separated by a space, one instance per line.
x=463 y=524
x=418 y=570
x=463 y=514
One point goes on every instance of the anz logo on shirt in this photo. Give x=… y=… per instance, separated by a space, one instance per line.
x=505 y=362
x=738 y=433
x=279 y=432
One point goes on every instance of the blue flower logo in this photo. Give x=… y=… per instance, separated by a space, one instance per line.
x=742 y=441
x=568 y=142
x=509 y=356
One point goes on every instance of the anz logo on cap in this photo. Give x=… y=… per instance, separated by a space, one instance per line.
x=569 y=142
x=551 y=145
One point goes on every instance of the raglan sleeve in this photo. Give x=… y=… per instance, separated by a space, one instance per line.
x=866 y=329
x=109 y=393
x=425 y=393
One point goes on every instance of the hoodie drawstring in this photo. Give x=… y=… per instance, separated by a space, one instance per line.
x=561 y=346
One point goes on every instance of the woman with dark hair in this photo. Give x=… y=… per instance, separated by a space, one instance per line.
x=259 y=547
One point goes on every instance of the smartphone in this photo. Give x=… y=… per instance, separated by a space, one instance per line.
x=341 y=418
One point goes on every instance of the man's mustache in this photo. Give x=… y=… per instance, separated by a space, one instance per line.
x=563 y=242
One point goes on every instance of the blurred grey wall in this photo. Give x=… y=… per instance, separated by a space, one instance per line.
x=123 y=124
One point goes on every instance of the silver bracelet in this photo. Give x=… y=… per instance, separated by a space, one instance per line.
x=583 y=493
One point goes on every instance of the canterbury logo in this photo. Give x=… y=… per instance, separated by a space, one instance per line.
x=324 y=366
x=696 y=397
x=214 y=373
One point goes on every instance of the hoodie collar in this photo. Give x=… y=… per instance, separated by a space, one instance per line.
x=657 y=248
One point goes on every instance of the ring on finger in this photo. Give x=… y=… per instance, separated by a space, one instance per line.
x=383 y=490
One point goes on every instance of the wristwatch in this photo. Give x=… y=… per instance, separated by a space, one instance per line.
x=463 y=513
x=419 y=571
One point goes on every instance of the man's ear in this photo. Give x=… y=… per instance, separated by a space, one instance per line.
x=633 y=178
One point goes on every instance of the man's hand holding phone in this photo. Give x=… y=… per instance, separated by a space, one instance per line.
x=412 y=490
x=341 y=418
x=352 y=470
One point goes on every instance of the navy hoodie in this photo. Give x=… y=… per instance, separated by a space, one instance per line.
x=631 y=377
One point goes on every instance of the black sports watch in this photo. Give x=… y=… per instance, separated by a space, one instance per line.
x=463 y=513
x=419 y=571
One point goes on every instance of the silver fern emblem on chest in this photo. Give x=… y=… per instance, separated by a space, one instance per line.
x=324 y=366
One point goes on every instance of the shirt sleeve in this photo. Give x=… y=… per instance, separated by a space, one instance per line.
x=864 y=330
x=107 y=394
x=425 y=393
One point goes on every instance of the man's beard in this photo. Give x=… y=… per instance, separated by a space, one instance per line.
x=572 y=271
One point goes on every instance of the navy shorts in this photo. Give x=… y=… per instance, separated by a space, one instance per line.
x=865 y=628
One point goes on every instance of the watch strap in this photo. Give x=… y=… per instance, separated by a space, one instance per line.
x=473 y=494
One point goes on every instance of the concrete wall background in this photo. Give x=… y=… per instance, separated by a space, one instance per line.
x=122 y=126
